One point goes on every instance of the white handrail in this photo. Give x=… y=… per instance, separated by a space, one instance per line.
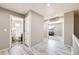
x=75 y=39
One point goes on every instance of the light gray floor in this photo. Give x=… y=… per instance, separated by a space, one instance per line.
x=52 y=46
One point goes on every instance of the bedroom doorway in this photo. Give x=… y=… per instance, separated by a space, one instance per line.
x=16 y=30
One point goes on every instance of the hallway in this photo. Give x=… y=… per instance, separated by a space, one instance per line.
x=33 y=23
x=54 y=46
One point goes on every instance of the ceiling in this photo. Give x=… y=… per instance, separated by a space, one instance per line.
x=54 y=9
x=24 y=7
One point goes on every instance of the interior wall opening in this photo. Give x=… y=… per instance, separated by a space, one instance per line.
x=16 y=30
x=56 y=29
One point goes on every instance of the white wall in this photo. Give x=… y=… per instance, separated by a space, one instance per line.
x=4 y=24
x=58 y=22
x=46 y=30
x=68 y=28
x=35 y=25
x=5 y=27
x=76 y=25
x=58 y=28
x=37 y=28
x=76 y=34
x=28 y=29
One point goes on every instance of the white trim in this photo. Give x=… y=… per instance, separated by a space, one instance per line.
x=10 y=30
x=75 y=39
x=4 y=49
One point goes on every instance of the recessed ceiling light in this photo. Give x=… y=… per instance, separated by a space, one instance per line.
x=17 y=24
x=48 y=5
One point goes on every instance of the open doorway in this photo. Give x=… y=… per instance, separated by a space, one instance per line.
x=16 y=30
x=56 y=28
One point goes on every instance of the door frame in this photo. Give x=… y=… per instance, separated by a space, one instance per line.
x=10 y=42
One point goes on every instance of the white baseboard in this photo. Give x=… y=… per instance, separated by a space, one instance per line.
x=4 y=49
